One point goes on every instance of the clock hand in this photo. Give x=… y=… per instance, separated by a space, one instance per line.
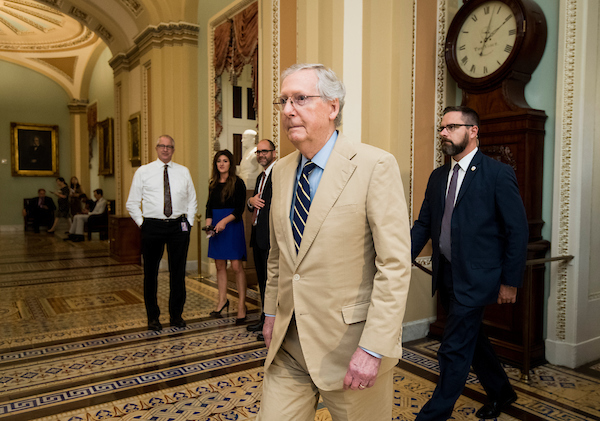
x=487 y=33
x=496 y=30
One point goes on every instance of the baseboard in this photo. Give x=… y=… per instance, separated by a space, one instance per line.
x=11 y=228
x=572 y=355
x=417 y=329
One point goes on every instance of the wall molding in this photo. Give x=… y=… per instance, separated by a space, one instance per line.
x=155 y=36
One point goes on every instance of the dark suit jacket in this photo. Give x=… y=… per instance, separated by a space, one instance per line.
x=33 y=204
x=489 y=230
x=260 y=232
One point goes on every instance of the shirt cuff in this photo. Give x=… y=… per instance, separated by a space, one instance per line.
x=374 y=354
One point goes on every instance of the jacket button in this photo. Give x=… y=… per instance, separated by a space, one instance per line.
x=296 y=277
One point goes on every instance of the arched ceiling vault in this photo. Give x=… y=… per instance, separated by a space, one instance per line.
x=58 y=38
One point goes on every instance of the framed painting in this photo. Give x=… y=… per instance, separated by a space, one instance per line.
x=135 y=130
x=34 y=149
x=105 y=147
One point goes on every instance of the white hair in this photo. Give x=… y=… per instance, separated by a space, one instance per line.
x=330 y=87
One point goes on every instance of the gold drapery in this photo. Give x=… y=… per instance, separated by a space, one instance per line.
x=236 y=44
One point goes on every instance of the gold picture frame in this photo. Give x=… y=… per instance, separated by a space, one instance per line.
x=34 y=149
x=105 y=147
x=134 y=132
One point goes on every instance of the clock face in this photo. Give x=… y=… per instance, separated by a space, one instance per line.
x=486 y=39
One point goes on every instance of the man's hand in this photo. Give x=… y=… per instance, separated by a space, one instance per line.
x=268 y=330
x=362 y=370
x=507 y=294
x=256 y=202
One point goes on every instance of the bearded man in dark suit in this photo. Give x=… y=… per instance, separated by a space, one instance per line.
x=475 y=217
x=260 y=206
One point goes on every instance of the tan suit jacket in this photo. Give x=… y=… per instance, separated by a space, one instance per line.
x=348 y=284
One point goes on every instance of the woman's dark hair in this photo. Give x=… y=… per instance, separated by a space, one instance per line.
x=62 y=180
x=229 y=188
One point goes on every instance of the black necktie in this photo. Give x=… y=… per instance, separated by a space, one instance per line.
x=445 y=237
x=168 y=206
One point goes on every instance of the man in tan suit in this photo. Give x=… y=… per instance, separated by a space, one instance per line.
x=339 y=264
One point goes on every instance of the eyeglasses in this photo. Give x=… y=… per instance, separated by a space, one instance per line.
x=263 y=151
x=165 y=147
x=296 y=101
x=452 y=127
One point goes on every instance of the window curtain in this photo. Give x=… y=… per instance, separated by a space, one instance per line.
x=236 y=45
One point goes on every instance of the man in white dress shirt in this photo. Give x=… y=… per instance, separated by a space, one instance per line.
x=79 y=220
x=162 y=201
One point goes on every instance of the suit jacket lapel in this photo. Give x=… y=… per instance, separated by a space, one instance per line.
x=444 y=185
x=337 y=172
x=288 y=173
x=472 y=171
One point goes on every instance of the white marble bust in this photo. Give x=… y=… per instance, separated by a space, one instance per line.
x=249 y=169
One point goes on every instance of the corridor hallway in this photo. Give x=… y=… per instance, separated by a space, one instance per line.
x=74 y=346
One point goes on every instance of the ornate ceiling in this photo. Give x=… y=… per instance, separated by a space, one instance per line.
x=44 y=39
x=26 y=25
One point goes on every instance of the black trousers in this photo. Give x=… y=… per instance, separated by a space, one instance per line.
x=43 y=217
x=260 y=263
x=464 y=343
x=175 y=234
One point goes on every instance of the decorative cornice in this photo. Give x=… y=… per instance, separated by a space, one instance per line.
x=85 y=37
x=78 y=106
x=134 y=7
x=56 y=3
x=79 y=15
x=564 y=222
x=174 y=33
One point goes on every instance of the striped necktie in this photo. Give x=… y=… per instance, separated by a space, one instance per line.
x=302 y=204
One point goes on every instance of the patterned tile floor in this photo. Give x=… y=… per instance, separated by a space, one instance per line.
x=74 y=346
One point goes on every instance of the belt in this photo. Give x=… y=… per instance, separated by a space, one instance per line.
x=179 y=218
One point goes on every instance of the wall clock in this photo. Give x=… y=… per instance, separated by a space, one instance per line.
x=492 y=40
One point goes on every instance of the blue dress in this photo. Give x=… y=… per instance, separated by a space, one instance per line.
x=229 y=244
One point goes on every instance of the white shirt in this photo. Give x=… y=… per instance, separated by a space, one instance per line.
x=100 y=206
x=147 y=196
x=463 y=164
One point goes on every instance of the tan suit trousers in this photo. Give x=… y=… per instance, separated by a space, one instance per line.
x=290 y=395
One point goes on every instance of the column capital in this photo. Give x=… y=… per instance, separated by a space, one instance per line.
x=78 y=106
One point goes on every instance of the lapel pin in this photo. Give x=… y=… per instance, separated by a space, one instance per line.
x=473 y=168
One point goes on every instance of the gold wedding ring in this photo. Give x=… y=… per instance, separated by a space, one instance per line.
x=361 y=387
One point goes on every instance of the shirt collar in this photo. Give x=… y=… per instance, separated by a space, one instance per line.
x=269 y=168
x=321 y=158
x=162 y=164
x=464 y=163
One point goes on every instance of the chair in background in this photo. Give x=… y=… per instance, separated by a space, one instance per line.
x=99 y=223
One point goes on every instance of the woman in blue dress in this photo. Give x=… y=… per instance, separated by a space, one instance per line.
x=224 y=209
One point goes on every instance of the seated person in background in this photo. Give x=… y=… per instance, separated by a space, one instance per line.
x=76 y=231
x=87 y=205
x=41 y=209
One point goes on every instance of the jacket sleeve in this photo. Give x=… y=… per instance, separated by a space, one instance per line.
x=387 y=216
x=512 y=215
x=421 y=230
